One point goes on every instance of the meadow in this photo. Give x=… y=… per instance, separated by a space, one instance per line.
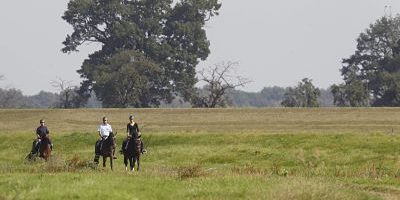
x=271 y=153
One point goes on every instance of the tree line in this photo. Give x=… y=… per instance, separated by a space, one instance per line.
x=267 y=97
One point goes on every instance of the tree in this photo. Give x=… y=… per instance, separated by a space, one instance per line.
x=219 y=79
x=305 y=94
x=372 y=74
x=129 y=79
x=169 y=34
x=67 y=92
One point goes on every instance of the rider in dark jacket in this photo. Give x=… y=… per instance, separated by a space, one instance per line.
x=132 y=130
x=41 y=132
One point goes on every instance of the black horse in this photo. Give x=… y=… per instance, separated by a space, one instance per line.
x=105 y=149
x=132 y=153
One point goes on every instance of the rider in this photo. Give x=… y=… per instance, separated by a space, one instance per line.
x=104 y=131
x=132 y=130
x=41 y=132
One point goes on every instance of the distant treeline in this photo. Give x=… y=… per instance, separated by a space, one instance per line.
x=267 y=97
x=14 y=98
x=272 y=97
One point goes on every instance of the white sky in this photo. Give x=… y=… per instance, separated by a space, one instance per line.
x=275 y=42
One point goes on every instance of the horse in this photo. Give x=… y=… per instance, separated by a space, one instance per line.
x=106 y=150
x=132 y=153
x=45 y=148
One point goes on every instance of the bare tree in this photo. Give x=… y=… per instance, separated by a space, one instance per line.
x=219 y=79
x=67 y=92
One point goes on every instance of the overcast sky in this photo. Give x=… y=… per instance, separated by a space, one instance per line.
x=274 y=42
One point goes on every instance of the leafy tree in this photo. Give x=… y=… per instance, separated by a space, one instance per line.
x=372 y=74
x=305 y=94
x=170 y=34
x=219 y=80
x=129 y=79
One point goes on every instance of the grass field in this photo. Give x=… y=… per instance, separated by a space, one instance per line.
x=277 y=153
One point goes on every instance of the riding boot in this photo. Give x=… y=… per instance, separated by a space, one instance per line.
x=142 y=150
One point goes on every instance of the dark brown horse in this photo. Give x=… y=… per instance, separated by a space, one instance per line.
x=45 y=148
x=132 y=153
x=106 y=150
x=43 y=151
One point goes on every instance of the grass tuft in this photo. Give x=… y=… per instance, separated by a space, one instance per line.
x=191 y=172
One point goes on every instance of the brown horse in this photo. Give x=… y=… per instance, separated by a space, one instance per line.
x=132 y=153
x=106 y=150
x=45 y=148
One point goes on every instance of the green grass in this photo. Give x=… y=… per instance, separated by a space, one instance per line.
x=210 y=154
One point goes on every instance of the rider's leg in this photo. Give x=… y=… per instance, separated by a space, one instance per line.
x=37 y=145
x=97 y=151
x=34 y=143
x=97 y=147
x=126 y=143
x=51 y=144
x=142 y=150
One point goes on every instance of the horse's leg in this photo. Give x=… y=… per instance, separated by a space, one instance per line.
x=104 y=161
x=48 y=152
x=132 y=163
x=111 y=162
x=138 y=162
x=134 y=160
x=126 y=162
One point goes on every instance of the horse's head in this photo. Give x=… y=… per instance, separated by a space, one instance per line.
x=113 y=135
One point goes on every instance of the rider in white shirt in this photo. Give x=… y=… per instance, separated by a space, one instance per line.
x=104 y=131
